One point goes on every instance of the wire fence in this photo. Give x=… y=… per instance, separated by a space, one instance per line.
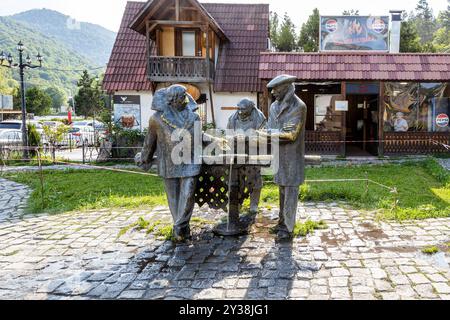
x=41 y=158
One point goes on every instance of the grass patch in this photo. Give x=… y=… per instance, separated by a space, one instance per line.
x=308 y=227
x=79 y=190
x=430 y=250
x=302 y=229
x=423 y=190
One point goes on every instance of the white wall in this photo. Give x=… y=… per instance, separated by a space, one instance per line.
x=224 y=99
x=220 y=99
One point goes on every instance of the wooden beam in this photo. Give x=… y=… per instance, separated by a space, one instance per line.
x=157 y=6
x=179 y=23
x=381 y=110
x=211 y=103
x=177 y=10
x=265 y=104
x=343 y=121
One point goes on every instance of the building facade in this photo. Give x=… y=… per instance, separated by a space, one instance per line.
x=359 y=103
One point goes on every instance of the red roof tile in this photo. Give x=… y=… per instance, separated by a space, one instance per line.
x=357 y=66
x=127 y=65
x=245 y=25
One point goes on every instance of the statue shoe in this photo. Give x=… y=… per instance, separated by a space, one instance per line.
x=182 y=234
x=284 y=236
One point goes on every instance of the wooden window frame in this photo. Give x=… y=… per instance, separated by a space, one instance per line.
x=179 y=41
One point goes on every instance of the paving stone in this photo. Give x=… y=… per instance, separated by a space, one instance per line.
x=132 y=294
x=417 y=278
x=76 y=256
x=441 y=288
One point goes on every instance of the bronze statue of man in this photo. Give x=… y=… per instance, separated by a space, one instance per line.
x=249 y=119
x=287 y=118
x=175 y=110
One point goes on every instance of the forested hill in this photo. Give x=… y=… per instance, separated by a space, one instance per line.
x=59 y=60
x=89 y=40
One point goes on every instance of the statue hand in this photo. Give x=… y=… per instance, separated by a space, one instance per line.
x=223 y=144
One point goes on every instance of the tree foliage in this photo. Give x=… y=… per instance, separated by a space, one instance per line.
x=310 y=33
x=274 y=26
x=38 y=102
x=89 y=99
x=409 y=38
x=7 y=84
x=287 y=40
x=425 y=21
x=441 y=39
x=58 y=97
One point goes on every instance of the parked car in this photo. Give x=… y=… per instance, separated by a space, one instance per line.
x=11 y=125
x=83 y=135
x=11 y=137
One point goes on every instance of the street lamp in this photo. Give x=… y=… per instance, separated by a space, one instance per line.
x=21 y=66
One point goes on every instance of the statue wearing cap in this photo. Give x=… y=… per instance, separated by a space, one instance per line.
x=249 y=119
x=287 y=118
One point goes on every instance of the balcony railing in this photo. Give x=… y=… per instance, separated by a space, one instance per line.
x=183 y=69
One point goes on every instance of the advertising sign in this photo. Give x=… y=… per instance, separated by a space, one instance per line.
x=442 y=120
x=6 y=102
x=127 y=111
x=355 y=33
x=341 y=106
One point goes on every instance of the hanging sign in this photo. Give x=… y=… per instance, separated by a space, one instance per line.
x=341 y=105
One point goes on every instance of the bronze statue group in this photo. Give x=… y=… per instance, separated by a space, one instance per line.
x=175 y=109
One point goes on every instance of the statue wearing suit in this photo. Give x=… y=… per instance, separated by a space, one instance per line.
x=287 y=118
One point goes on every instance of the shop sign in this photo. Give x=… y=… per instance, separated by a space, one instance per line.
x=341 y=106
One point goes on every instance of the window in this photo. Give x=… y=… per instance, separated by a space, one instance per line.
x=10 y=125
x=401 y=100
x=422 y=107
x=326 y=118
x=188 y=43
x=434 y=107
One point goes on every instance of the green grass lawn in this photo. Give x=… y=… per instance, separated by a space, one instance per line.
x=423 y=190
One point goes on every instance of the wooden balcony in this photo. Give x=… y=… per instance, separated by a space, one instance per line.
x=180 y=69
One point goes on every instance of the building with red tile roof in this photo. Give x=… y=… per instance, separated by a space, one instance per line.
x=355 y=99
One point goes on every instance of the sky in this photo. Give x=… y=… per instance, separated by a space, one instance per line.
x=108 y=13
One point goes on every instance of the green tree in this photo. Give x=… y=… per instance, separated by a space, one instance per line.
x=58 y=97
x=310 y=33
x=38 y=102
x=274 y=26
x=287 y=41
x=441 y=39
x=7 y=84
x=425 y=21
x=89 y=99
x=409 y=38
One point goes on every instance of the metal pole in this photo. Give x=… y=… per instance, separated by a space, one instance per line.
x=24 y=107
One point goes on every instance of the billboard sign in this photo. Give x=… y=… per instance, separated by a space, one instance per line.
x=6 y=102
x=127 y=111
x=354 y=33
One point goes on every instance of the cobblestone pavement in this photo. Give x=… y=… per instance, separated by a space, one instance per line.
x=445 y=163
x=80 y=256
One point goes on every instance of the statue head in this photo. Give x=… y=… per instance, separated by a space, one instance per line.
x=245 y=108
x=281 y=85
x=177 y=97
